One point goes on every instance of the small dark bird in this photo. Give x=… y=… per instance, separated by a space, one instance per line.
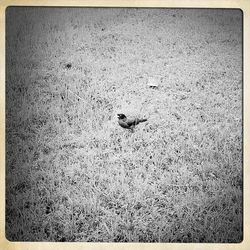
x=129 y=123
x=68 y=65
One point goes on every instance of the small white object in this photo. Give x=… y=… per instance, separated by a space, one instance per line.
x=153 y=83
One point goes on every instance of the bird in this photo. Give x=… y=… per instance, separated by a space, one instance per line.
x=127 y=123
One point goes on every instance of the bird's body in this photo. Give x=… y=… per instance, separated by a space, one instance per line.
x=128 y=123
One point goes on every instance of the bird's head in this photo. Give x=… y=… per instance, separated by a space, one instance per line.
x=121 y=116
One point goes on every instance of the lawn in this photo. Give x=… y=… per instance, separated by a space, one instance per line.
x=73 y=174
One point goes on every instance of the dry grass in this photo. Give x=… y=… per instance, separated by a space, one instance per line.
x=73 y=174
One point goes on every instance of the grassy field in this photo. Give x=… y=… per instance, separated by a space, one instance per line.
x=73 y=174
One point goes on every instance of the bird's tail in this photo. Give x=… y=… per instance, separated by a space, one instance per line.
x=143 y=120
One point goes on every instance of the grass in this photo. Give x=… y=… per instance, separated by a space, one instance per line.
x=72 y=174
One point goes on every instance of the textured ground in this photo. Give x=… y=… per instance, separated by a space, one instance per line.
x=72 y=174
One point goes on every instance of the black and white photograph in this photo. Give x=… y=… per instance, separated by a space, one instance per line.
x=124 y=124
